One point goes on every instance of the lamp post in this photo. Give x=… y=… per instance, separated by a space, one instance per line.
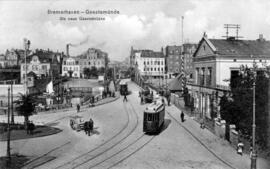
x=254 y=154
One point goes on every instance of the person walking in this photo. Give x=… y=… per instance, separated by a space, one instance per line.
x=182 y=116
x=78 y=108
x=240 y=147
x=125 y=97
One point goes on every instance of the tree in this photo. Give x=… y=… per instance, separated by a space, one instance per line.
x=94 y=71
x=101 y=70
x=238 y=108
x=26 y=106
x=87 y=72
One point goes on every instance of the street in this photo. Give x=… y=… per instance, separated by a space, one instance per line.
x=117 y=141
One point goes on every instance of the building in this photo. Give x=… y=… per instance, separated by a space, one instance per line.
x=149 y=63
x=173 y=60
x=12 y=58
x=216 y=61
x=71 y=67
x=93 y=58
x=41 y=67
x=42 y=64
x=188 y=51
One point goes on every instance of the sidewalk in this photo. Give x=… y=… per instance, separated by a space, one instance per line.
x=217 y=146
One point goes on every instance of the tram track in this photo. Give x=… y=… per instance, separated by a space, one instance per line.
x=127 y=149
x=125 y=131
x=200 y=142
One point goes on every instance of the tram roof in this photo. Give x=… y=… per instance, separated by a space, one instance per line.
x=154 y=107
x=123 y=83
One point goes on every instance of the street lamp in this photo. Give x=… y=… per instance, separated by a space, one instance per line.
x=254 y=154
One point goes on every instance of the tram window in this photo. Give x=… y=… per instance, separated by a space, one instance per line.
x=155 y=117
x=149 y=117
x=145 y=117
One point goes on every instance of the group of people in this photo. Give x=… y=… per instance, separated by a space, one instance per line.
x=88 y=127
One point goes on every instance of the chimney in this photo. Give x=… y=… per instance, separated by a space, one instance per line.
x=67 y=50
x=261 y=39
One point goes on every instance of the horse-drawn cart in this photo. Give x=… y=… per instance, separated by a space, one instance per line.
x=78 y=123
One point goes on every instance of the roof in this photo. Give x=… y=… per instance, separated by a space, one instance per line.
x=241 y=47
x=236 y=47
x=176 y=84
x=151 y=54
x=173 y=50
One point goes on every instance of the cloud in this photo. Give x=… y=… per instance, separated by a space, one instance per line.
x=210 y=16
x=142 y=24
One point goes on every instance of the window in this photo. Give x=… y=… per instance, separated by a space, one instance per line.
x=158 y=69
x=44 y=67
x=144 y=63
x=149 y=117
x=162 y=69
x=155 y=69
x=151 y=69
x=147 y=62
x=89 y=63
x=35 y=67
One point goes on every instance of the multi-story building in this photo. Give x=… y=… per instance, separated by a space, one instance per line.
x=40 y=67
x=12 y=58
x=150 y=63
x=216 y=61
x=173 y=60
x=188 y=51
x=71 y=67
x=93 y=58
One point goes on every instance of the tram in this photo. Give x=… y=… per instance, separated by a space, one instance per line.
x=123 y=88
x=153 y=117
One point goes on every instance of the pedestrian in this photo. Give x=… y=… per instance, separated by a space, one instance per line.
x=182 y=116
x=78 y=108
x=250 y=151
x=202 y=124
x=240 y=147
x=168 y=100
x=125 y=97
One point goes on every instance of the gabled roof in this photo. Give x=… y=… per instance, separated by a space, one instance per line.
x=235 y=47
x=241 y=47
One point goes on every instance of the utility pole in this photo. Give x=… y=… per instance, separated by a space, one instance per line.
x=254 y=154
x=12 y=112
x=8 y=130
x=26 y=47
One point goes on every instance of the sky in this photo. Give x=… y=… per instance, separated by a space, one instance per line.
x=143 y=24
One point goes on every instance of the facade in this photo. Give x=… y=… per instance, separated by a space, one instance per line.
x=188 y=51
x=12 y=58
x=93 y=58
x=71 y=67
x=36 y=65
x=149 y=63
x=173 y=60
x=215 y=63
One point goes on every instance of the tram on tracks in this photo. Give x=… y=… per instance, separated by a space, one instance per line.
x=153 y=117
x=123 y=88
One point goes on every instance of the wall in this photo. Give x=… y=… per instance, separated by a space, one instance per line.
x=18 y=88
x=224 y=67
